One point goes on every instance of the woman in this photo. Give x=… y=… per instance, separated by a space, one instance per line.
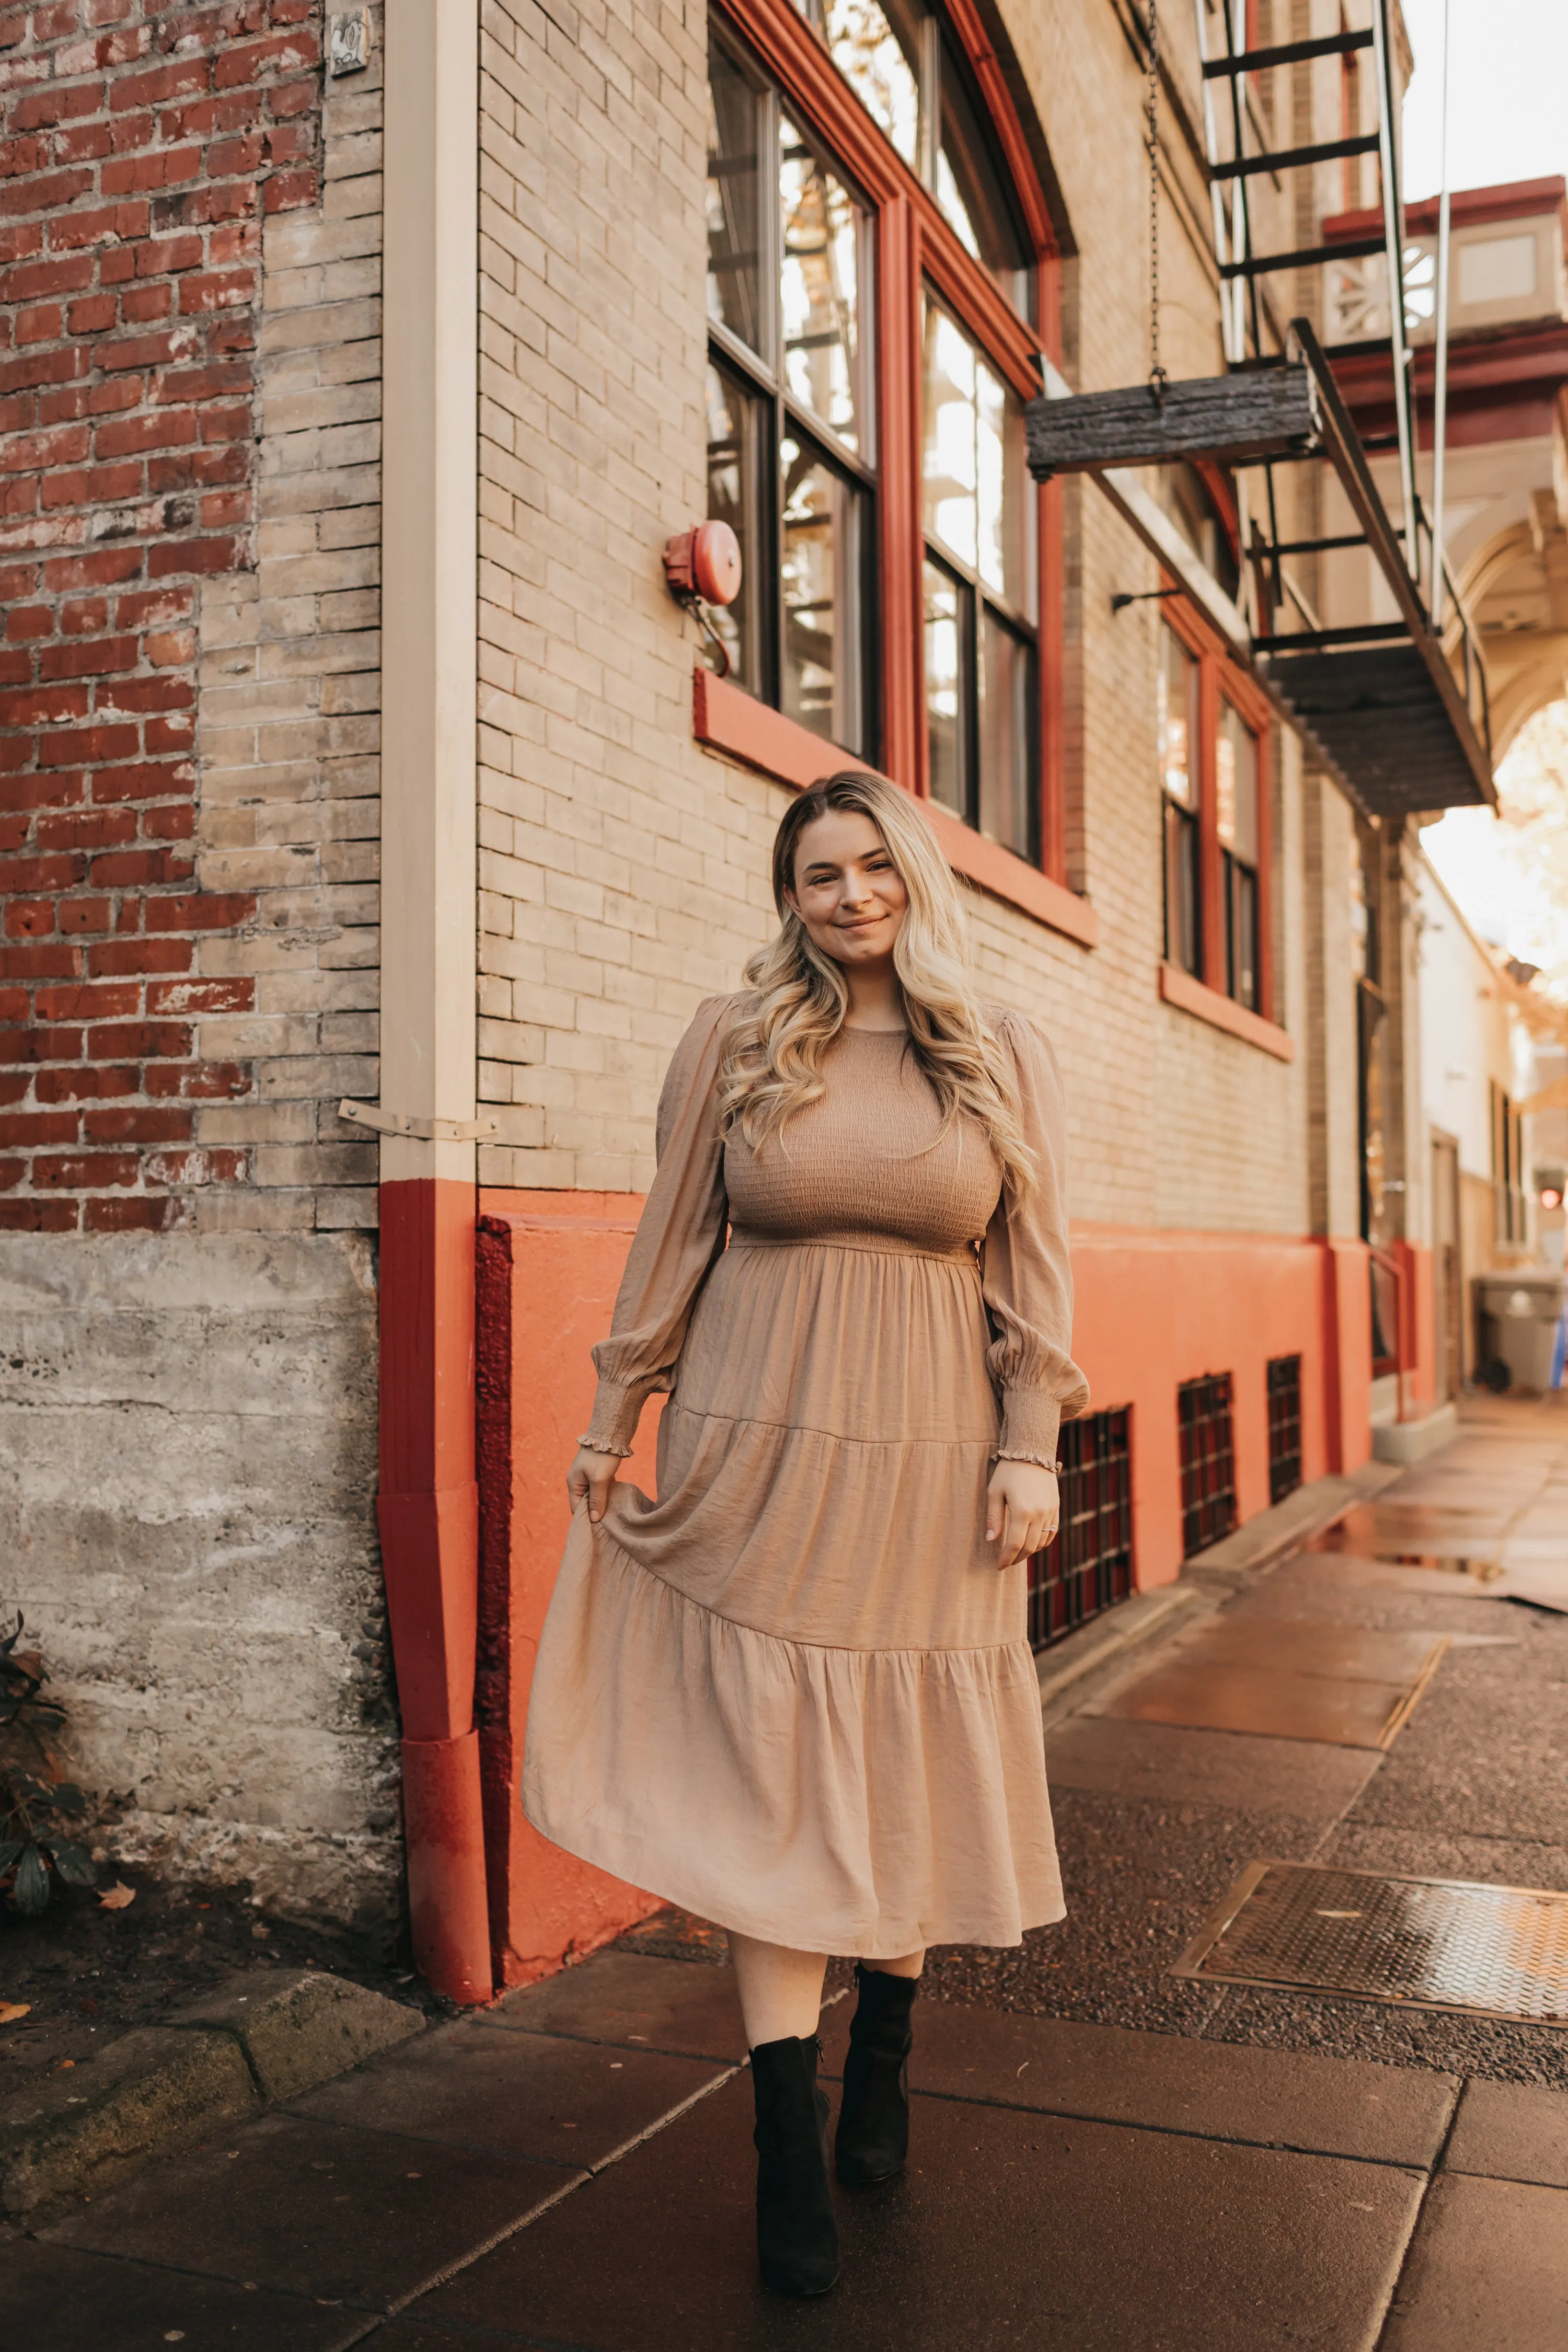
x=794 y=1694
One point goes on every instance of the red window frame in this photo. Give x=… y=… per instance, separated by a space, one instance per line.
x=1219 y=678
x=915 y=245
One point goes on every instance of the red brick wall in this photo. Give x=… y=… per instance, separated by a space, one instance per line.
x=141 y=147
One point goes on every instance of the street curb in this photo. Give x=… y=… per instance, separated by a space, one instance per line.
x=1284 y=1526
x=217 y=2060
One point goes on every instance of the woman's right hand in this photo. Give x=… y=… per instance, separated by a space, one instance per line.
x=591 y=1475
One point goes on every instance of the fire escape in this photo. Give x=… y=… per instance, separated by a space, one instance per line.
x=1395 y=707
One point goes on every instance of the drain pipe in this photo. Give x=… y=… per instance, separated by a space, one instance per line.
x=427 y=1504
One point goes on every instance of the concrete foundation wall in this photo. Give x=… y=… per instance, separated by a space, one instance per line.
x=187 y=1437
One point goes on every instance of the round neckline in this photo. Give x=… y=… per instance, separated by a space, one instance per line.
x=902 y=1036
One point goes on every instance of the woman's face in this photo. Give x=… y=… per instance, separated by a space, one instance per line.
x=847 y=892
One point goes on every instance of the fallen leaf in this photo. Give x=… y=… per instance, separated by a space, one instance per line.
x=116 y=1898
x=10 y=2010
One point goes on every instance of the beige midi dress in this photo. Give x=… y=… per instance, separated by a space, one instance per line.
x=793 y=1694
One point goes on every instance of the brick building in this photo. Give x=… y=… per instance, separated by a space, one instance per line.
x=331 y=543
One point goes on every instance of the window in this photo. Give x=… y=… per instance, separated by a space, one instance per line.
x=1284 y=1377
x=1089 y=1566
x=978 y=590
x=1177 y=688
x=1215 y=812
x=1235 y=821
x=910 y=76
x=892 y=596
x=790 y=406
x=1209 y=1461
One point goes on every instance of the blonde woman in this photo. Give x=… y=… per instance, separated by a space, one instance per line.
x=795 y=1693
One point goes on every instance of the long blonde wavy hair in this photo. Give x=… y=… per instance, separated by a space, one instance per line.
x=796 y=996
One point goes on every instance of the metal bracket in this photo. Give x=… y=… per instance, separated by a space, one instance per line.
x=421 y=1130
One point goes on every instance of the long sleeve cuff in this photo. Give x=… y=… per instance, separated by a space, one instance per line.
x=1031 y=1421
x=617 y=1408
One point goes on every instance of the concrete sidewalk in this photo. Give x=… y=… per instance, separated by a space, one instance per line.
x=1105 y=2156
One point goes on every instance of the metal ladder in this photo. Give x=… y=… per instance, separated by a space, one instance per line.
x=1241 y=266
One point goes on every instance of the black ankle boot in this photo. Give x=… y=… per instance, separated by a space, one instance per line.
x=797 y=2238
x=873 y=2140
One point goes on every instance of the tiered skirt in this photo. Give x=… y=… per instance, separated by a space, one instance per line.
x=794 y=1695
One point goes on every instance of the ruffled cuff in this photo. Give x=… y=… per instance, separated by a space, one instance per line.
x=617 y=1408
x=1031 y=1421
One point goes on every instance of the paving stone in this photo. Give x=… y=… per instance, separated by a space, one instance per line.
x=528 y=2094
x=1168 y=1762
x=1488 y=2271
x=59 y=2300
x=360 y=2217
x=1009 y=2228
x=1216 y=2091
x=622 y=1997
x=300 y=2029
x=1511 y=2132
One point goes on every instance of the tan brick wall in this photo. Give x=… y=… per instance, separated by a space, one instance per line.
x=287 y=713
x=622 y=869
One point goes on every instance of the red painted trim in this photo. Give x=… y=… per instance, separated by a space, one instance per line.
x=898 y=483
x=427 y=1507
x=732 y=721
x=1179 y=988
x=1468 y=208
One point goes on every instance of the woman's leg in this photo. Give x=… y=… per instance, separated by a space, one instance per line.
x=781 y=1989
x=910 y=1966
x=781 y=2002
x=873 y=2141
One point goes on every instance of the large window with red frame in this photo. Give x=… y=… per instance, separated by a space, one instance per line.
x=807 y=353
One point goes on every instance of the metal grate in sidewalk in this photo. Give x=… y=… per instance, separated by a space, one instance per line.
x=1427 y=1943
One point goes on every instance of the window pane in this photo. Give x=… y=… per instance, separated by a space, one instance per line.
x=951 y=458
x=1182 y=888
x=734 y=278
x=970 y=190
x=820 y=289
x=1241 y=925
x=1002 y=471
x=1007 y=737
x=946 y=636
x=1177 y=692
x=877 y=52
x=977 y=490
x=819 y=571
x=736 y=438
x=1235 y=786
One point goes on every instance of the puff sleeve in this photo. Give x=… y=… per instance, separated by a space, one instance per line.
x=681 y=1232
x=1027 y=1275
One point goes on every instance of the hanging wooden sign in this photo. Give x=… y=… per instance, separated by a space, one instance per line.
x=1234 y=419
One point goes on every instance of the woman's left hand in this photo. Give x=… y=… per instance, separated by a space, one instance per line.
x=1022 y=1509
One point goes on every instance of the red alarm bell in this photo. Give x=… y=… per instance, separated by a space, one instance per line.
x=704 y=562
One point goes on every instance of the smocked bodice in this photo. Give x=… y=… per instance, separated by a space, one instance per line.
x=864 y=1161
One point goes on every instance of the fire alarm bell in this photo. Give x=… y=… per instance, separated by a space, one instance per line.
x=704 y=562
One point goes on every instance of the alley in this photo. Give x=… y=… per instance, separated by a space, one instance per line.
x=1108 y=2154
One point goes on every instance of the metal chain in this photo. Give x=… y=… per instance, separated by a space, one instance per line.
x=1158 y=379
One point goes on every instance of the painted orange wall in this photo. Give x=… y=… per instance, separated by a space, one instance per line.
x=1154 y=1309
x=550 y=1267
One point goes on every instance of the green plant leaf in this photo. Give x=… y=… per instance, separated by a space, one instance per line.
x=73 y=1861
x=66 y=1798
x=9 y=1849
x=30 y=1888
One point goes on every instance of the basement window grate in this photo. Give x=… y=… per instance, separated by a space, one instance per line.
x=1209 y=1461
x=1425 y=1943
x=1284 y=1426
x=1089 y=1566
